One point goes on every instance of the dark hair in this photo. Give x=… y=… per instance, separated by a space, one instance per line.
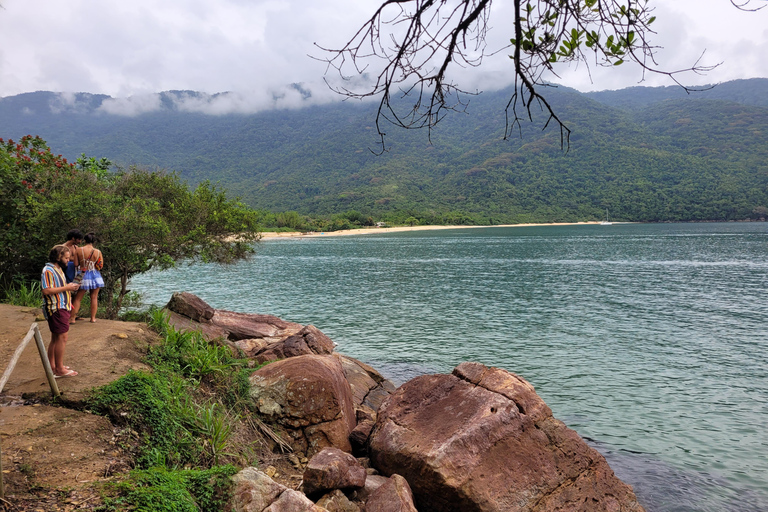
x=74 y=234
x=90 y=238
x=55 y=255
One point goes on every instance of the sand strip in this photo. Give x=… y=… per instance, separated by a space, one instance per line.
x=367 y=231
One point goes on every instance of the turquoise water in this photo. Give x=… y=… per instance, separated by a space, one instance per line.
x=649 y=340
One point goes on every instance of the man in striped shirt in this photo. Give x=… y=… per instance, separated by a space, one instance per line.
x=56 y=307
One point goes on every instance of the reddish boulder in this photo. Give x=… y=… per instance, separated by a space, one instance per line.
x=481 y=439
x=331 y=469
x=185 y=324
x=309 y=340
x=394 y=495
x=336 y=501
x=246 y=325
x=369 y=387
x=254 y=491
x=309 y=395
x=190 y=306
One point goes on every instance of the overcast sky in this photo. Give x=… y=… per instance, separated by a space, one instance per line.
x=138 y=47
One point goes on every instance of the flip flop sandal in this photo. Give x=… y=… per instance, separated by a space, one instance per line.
x=70 y=373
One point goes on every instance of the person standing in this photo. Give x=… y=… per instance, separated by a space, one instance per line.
x=91 y=262
x=56 y=307
x=74 y=238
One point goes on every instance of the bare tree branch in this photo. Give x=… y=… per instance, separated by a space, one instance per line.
x=403 y=54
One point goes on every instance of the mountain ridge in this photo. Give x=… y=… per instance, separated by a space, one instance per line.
x=646 y=155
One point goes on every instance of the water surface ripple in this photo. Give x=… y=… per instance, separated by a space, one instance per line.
x=649 y=340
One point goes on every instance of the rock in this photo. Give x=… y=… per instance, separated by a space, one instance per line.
x=358 y=438
x=336 y=501
x=190 y=306
x=481 y=439
x=394 y=495
x=293 y=501
x=372 y=482
x=331 y=469
x=307 y=341
x=318 y=342
x=369 y=387
x=254 y=491
x=183 y=323
x=251 y=346
x=309 y=395
x=244 y=325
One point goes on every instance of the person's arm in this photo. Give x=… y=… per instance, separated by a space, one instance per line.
x=49 y=289
x=71 y=287
x=99 y=262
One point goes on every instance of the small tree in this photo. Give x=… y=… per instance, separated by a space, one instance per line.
x=143 y=219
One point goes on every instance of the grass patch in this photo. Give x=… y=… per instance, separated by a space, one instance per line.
x=27 y=294
x=158 y=489
x=180 y=419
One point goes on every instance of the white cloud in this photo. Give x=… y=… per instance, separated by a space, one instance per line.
x=132 y=105
x=141 y=47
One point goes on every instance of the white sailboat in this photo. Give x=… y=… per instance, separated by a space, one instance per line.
x=606 y=222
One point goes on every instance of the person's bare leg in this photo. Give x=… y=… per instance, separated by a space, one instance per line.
x=56 y=353
x=94 y=303
x=52 y=351
x=76 y=305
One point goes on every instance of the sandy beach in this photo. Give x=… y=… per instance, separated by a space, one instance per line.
x=368 y=231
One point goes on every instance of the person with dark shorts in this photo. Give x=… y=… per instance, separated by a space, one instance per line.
x=57 y=303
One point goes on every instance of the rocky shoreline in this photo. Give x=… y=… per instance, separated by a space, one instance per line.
x=478 y=439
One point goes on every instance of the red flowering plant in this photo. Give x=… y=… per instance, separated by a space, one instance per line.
x=33 y=180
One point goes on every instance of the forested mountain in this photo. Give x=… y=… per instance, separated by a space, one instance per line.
x=645 y=154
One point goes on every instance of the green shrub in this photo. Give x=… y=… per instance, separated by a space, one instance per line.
x=21 y=293
x=160 y=490
x=154 y=406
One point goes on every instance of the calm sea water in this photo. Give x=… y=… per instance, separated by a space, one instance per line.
x=651 y=341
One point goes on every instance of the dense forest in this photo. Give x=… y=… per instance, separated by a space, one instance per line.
x=642 y=154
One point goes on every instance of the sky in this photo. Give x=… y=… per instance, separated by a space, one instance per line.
x=135 y=49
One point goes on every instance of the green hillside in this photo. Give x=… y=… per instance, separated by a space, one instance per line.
x=645 y=155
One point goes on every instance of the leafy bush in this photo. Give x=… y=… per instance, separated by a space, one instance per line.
x=158 y=490
x=154 y=406
x=22 y=294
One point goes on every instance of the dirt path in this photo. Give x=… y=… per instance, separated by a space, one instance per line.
x=48 y=447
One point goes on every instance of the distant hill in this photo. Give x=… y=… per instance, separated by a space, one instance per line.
x=645 y=154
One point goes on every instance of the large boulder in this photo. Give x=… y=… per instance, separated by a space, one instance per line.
x=190 y=306
x=254 y=491
x=308 y=395
x=331 y=469
x=394 y=495
x=481 y=439
x=309 y=340
x=190 y=312
x=369 y=387
x=336 y=501
x=250 y=325
x=186 y=324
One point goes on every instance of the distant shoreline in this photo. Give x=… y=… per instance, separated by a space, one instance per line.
x=367 y=231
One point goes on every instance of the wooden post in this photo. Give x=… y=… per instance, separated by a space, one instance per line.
x=34 y=332
x=46 y=362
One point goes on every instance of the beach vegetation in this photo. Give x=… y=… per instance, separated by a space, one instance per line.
x=144 y=219
x=178 y=421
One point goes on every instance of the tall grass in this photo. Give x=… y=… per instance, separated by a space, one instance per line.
x=21 y=293
x=183 y=433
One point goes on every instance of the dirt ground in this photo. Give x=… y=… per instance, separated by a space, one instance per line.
x=55 y=454
x=52 y=454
